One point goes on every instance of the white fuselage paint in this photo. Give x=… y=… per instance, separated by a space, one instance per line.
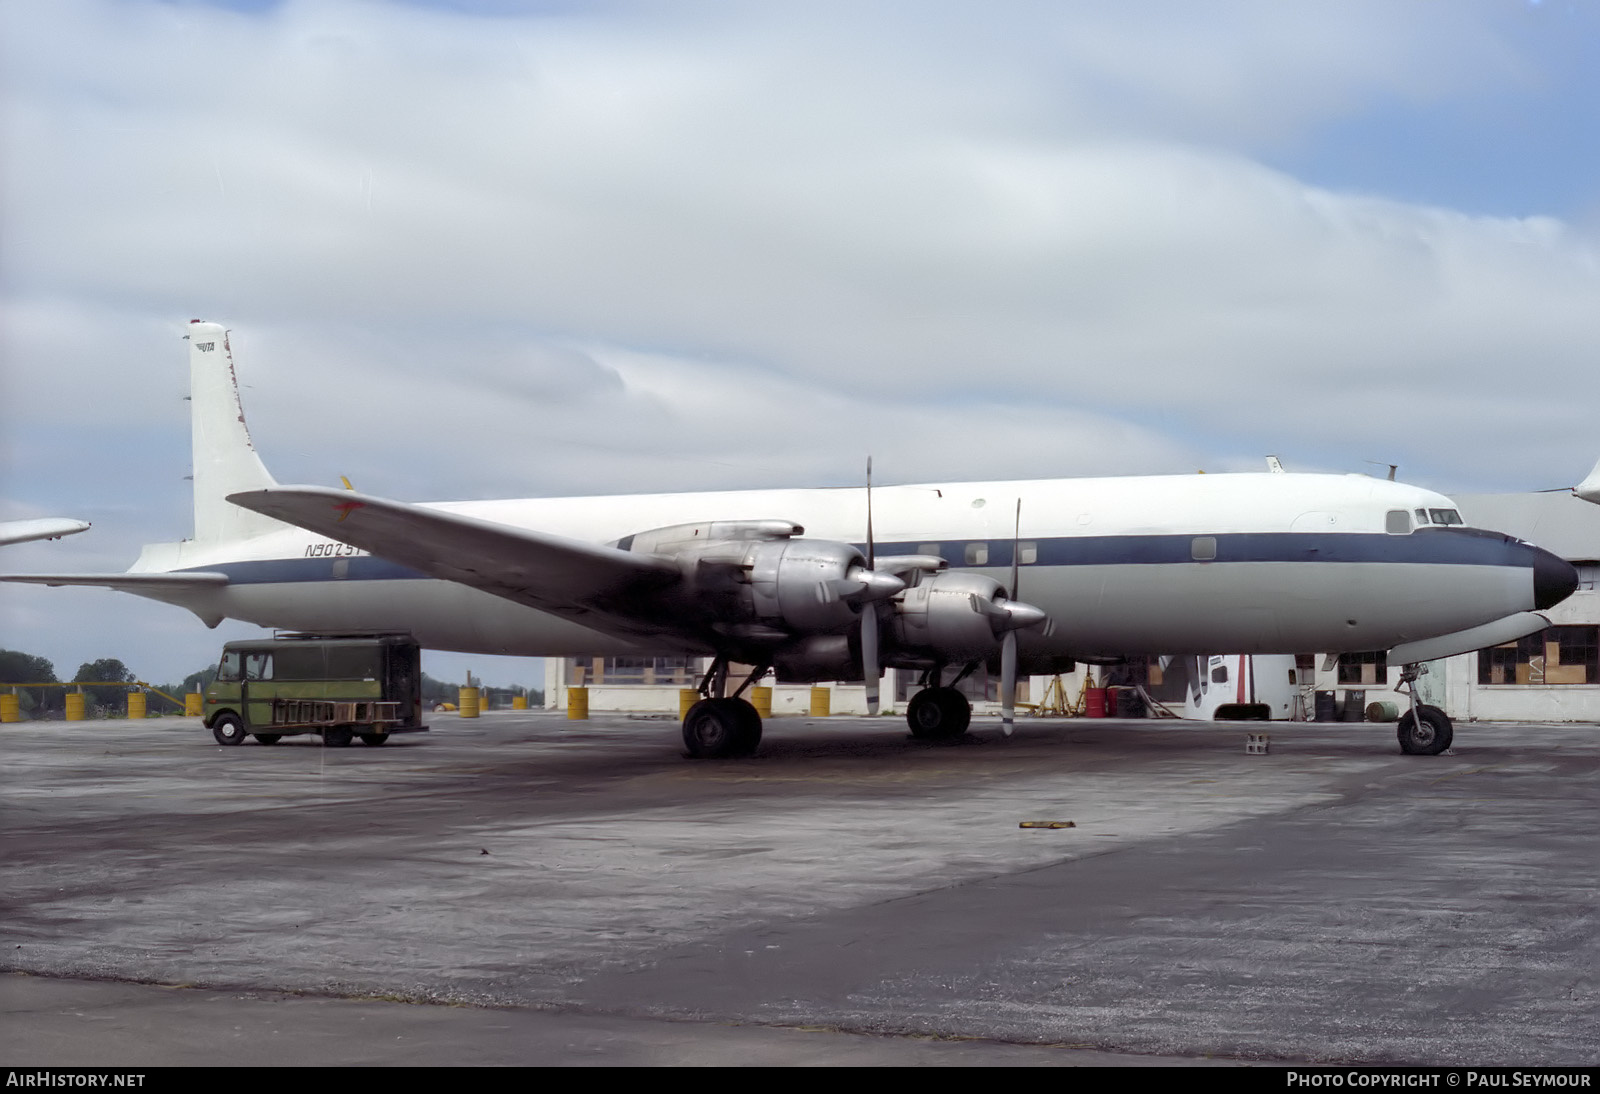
x=1303 y=595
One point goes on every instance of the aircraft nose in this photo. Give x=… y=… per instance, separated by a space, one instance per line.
x=1554 y=579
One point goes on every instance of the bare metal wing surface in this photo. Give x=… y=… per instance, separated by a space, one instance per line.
x=552 y=573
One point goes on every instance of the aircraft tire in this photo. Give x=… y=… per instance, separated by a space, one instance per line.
x=268 y=738
x=938 y=714
x=721 y=729
x=337 y=737
x=374 y=740
x=1429 y=739
x=228 y=730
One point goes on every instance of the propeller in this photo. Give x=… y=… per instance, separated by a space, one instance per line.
x=1008 y=643
x=869 y=616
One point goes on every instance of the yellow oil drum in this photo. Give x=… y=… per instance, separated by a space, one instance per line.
x=74 y=707
x=687 y=697
x=468 y=702
x=10 y=708
x=821 y=702
x=761 y=699
x=192 y=703
x=136 y=704
x=577 y=704
x=519 y=702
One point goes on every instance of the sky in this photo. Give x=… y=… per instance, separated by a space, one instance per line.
x=502 y=249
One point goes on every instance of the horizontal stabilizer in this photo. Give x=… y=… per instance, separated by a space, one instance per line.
x=129 y=583
x=21 y=531
x=1509 y=629
x=548 y=572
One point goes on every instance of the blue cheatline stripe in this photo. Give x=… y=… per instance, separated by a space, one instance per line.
x=1435 y=546
x=1449 y=547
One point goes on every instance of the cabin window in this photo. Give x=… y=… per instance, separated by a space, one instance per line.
x=1203 y=548
x=930 y=549
x=1367 y=669
x=1554 y=656
x=977 y=554
x=1027 y=552
x=1397 y=522
x=1445 y=516
x=1219 y=675
x=1422 y=517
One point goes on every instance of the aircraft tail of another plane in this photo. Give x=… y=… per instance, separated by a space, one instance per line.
x=225 y=459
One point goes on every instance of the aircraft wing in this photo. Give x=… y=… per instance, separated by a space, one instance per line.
x=128 y=583
x=21 y=531
x=586 y=582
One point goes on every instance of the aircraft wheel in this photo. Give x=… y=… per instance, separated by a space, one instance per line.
x=228 y=730
x=337 y=737
x=374 y=740
x=938 y=714
x=268 y=738
x=1431 y=737
x=720 y=728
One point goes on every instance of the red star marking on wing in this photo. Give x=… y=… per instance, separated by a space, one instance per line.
x=345 y=508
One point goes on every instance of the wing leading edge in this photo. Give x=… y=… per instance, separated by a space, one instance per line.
x=586 y=582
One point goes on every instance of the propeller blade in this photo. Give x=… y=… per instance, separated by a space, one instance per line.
x=1016 y=544
x=1008 y=681
x=869 y=656
x=871 y=562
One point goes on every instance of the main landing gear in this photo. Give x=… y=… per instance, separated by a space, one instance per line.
x=1423 y=730
x=939 y=713
x=720 y=726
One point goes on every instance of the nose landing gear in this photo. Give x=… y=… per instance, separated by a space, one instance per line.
x=1423 y=730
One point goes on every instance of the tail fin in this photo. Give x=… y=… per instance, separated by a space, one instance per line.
x=1589 y=488
x=225 y=462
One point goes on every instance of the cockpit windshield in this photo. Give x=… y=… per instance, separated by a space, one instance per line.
x=1445 y=516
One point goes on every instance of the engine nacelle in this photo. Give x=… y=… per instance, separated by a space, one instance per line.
x=756 y=581
x=949 y=617
x=818 y=657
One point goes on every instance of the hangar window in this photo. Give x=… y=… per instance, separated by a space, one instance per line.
x=1364 y=668
x=977 y=554
x=1203 y=548
x=1397 y=522
x=1445 y=516
x=1554 y=656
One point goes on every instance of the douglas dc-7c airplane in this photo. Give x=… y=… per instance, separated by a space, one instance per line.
x=797 y=580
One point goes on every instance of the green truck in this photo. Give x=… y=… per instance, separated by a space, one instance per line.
x=341 y=688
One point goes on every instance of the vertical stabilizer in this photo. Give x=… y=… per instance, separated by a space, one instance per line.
x=225 y=462
x=1589 y=488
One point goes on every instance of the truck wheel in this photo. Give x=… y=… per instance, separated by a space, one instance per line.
x=338 y=737
x=268 y=738
x=228 y=730
x=373 y=740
